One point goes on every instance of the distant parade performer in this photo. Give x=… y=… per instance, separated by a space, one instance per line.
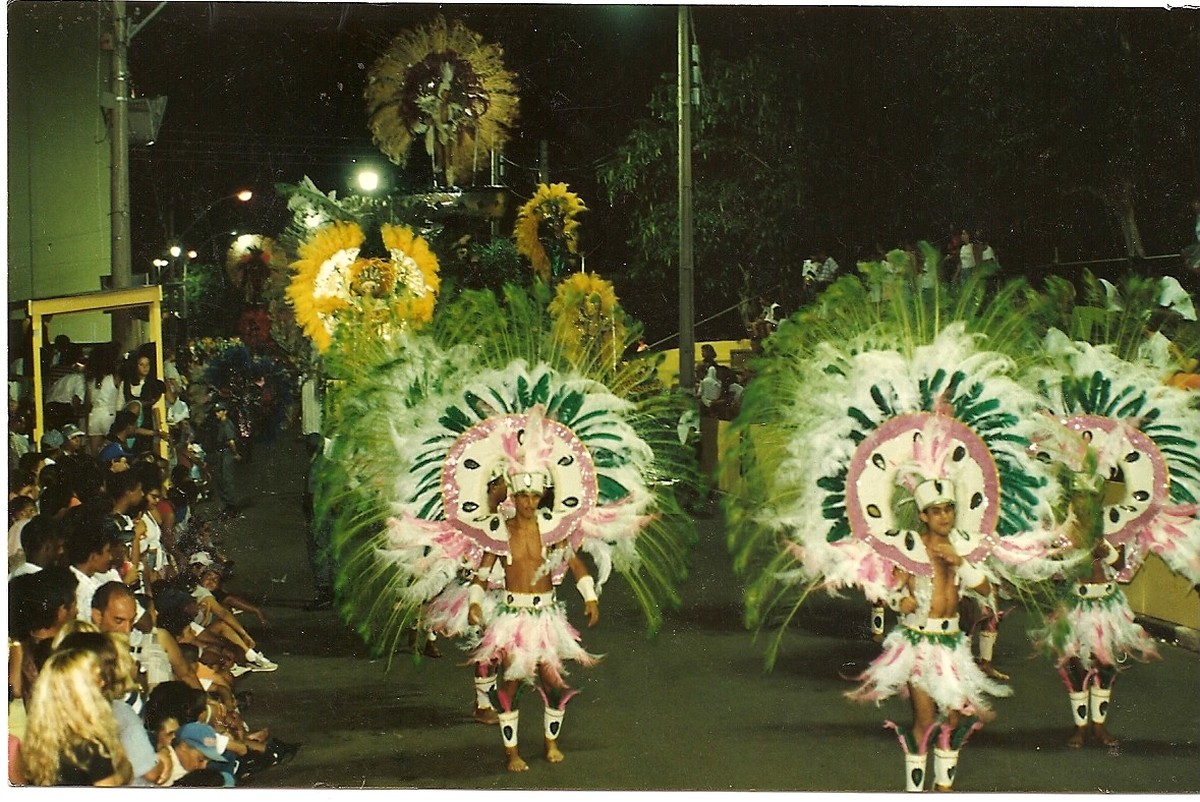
x=1127 y=443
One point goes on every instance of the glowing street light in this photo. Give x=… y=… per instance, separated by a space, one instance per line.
x=368 y=180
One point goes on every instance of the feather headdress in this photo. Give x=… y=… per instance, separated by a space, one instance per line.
x=855 y=404
x=488 y=390
x=1142 y=438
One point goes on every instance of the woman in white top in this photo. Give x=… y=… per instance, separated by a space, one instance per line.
x=103 y=393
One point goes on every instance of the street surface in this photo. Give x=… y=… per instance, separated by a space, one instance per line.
x=691 y=709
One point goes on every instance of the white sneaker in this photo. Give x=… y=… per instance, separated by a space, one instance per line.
x=238 y=669
x=263 y=664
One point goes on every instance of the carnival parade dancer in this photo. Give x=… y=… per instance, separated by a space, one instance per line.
x=434 y=410
x=927 y=657
x=1127 y=443
x=528 y=635
x=882 y=447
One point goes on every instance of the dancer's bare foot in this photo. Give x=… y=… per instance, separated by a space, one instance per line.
x=942 y=788
x=486 y=715
x=515 y=763
x=987 y=668
x=1102 y=735
x=1076 y=739
x=552 y=753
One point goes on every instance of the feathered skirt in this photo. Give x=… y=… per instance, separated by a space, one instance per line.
x=526 y=631
x=1096 y=625
x=937 y=662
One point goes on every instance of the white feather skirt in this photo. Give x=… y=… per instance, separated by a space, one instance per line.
x=522 y=638
x=1103 y=631
x=940 y=665
x=446 y=613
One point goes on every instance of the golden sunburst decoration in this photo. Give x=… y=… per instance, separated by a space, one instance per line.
x=546 y=228
x=588 y=316
x=443 y=84
x=331 y=285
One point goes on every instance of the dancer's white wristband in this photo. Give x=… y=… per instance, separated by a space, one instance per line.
x=475 y=595
x=587 y=589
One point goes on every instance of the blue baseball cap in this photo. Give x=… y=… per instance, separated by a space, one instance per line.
x=201 y=737
x=112 y=451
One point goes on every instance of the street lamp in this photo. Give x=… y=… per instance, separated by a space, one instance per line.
x=368 y=180
x=242 y=196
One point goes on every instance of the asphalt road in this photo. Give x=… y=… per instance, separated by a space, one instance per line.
x=691 y=709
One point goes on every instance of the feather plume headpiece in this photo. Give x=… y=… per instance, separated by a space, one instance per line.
x=1133 y=442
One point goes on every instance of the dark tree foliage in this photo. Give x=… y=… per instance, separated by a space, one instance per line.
x=749 y=163
x=1068 y=132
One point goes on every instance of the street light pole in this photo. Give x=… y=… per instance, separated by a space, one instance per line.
x=122 y=260
x=687 y=311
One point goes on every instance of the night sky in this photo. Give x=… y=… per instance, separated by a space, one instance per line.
x=267 y=92
x=261 y=93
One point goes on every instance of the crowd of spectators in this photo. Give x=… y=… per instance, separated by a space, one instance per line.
x=125 y=645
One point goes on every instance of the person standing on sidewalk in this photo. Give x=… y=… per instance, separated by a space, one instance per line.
x=225 y=449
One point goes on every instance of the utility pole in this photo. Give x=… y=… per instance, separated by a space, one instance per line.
x=122 y=260
x=687 y=310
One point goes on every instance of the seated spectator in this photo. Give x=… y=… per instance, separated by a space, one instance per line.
x=89 y=553
x=216 y=618
x=51 y=446
x=176 y=614
x=22 y=482
x=74 y=440
x=20 y=510
x=155 y=559
x=169 y=706
x=118 y=683
x=113 y=458
x=72 y=736
x=39 y=606
x=212 y=579
x=194 y=745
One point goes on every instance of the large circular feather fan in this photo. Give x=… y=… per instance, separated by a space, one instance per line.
x=1145 y=436
x=442 y=84
x=488 y=365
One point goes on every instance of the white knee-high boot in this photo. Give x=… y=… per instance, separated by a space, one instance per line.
x=945 y=763
x=508 y=727
x=483 y=688
x=1079 y=707
x=552 y=719
x=987 y=644
x=914 y=771
x=1100 y=699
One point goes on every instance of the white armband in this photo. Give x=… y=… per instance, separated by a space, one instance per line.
x=475 y=595
x=587 y=589
x=970 y=575
x=1112 y=555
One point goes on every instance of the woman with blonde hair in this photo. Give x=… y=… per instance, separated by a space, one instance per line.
x=72 y=734
x=119 y=684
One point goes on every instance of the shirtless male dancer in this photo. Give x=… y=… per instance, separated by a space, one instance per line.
x=529 y=636
x=927 y=656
